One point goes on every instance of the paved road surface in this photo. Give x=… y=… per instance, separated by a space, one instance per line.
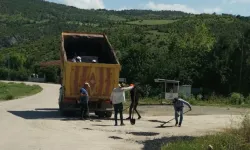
x=33 y=123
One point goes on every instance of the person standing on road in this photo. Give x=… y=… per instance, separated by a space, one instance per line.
x=84 y=99
x=178 y=107
x=135 y=94
x=117 y=98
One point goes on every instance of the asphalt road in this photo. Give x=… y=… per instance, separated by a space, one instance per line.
x=34 y=123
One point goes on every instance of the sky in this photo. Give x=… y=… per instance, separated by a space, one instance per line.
x=236 y=7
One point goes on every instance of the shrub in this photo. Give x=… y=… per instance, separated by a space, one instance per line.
x=9 y=97
x=247 y=99
x=192 y=100
x=236 y=98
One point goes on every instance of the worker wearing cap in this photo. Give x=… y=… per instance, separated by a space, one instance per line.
x=178 y=107
x=117 y=98
x=84 y=98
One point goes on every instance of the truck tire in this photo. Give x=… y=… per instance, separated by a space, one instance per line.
x=100 y=114
x=63 y=112
x=108 y=114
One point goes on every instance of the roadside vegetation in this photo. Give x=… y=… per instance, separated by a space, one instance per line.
x=151 y=22
x=231 y=139
x=9 y=91
x=233 y=100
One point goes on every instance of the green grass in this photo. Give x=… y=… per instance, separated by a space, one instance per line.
x=9 y=91
x=230 y=139
x=151 y=22
x=215 y=101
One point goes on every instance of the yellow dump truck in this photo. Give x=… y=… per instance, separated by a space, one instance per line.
x=99 y=67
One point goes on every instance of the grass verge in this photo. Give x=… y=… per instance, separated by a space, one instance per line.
x=231 y=139
x=218 y=102
x=11 y=90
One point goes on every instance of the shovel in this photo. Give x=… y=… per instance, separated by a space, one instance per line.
x=172 y=119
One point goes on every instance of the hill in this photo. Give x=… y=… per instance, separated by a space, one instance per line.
x=208 y=51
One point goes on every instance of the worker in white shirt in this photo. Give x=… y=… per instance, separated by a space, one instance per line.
x=118 y=98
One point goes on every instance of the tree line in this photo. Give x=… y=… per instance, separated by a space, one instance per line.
x=205 y=51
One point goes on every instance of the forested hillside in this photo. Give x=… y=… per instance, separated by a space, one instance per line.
x=208 y=51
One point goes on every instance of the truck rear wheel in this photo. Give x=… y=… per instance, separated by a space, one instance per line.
x=108 y=114
x=63 y=112
x=100 y=114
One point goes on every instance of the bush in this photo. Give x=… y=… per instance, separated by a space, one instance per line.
x=247 y=99
x=192 y=100
x=236 y=98
x=9 y=97
x=3 y=73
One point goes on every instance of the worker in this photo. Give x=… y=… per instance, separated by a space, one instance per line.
x=178 y=104
x=135 y=94
x=84 y=99
x=117 y=98
x=77 y=59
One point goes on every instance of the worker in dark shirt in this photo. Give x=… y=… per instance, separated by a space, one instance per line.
x=135 y=94
x=84 y=99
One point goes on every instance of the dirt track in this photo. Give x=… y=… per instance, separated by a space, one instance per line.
x=34 y=123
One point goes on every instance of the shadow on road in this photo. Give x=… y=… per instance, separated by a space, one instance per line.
x=157 y=121
x=46 y=109
x=115 y=137
x=102 y=125
x=144 y=133
x=164 y=126
x=157 y=143
x=37 y=114
x=53 y=113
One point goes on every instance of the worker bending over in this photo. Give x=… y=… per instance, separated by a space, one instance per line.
x=178 y=107
x=118 y=98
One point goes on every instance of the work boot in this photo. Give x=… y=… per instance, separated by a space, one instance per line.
x=176 y=123
x=139 y=117
x=122 y=124
x=179 y=125
x=115 y=124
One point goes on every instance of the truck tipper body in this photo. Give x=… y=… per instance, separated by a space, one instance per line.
x=102 y=75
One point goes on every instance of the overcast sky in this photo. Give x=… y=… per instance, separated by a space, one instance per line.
x=241 y=7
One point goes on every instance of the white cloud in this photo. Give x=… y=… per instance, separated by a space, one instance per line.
x=86 y=4
x=236 y=1
x=176 y=7
x=212 y=10
x=124 y=8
